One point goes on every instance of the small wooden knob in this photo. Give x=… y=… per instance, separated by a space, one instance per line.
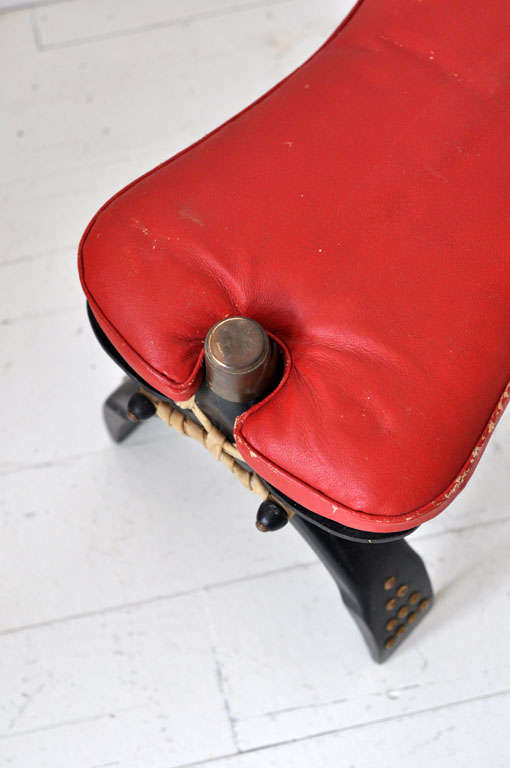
x=140 y=408
x=271 y=517
x=240 y=360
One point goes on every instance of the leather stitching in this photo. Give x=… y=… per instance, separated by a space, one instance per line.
x=192 y=379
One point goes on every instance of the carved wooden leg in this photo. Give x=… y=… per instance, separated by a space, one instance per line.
x=385 y=586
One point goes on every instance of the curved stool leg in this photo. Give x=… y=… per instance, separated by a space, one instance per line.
x=118 y=424
x=385 y=586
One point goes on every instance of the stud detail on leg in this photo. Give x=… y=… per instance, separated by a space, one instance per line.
x=407 y=613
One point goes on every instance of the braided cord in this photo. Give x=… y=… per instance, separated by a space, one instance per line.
x=210 y=437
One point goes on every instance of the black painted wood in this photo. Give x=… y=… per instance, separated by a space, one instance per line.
x=377 y=583
x=115 y=411
x=271 y=517
x=140 y=408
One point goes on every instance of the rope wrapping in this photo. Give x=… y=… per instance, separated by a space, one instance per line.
x=210 y=437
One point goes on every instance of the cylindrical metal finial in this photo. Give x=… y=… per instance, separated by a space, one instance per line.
x=240 y=360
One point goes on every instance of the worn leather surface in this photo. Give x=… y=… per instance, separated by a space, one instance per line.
x=359 y=212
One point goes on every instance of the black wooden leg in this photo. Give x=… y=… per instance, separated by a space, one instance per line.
x=385 y=586
x=118 y=424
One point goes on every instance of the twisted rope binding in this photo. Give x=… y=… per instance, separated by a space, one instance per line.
x=210 y=437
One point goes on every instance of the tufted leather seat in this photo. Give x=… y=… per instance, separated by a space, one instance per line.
x=359 y=212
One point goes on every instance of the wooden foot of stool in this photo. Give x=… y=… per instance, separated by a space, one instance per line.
x=384 y=585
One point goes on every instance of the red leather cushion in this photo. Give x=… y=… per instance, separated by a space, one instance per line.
x=359 y=212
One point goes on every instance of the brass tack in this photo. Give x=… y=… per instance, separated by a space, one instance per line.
x=402 y=590
x=412 y=617
x=390 y=626
x=424 y=604
x=390 y=642
x=390 y=583
x=414 y=598
x=403 y=612
x=390 y=605
x=401 y=630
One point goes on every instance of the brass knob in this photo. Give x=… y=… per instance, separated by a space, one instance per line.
x=240 y=360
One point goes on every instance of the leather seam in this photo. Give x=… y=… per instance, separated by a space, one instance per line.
x=444 y=497
x=192 y=379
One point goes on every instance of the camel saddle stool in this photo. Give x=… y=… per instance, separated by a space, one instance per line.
x=319 y=291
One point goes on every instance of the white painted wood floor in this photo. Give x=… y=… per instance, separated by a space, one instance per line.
x=143 y=620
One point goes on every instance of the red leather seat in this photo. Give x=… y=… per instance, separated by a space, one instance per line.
x=359 y=212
